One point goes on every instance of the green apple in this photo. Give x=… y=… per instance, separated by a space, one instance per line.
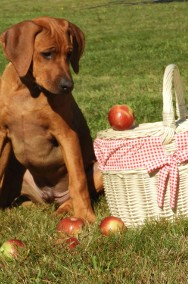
x=10 y=248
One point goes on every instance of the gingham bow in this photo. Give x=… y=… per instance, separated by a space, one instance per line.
x=170 y=169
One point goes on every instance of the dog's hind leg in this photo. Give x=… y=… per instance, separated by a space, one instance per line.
x=5 y=150
x=11 y=174
x=30 y=189
x=94 y=179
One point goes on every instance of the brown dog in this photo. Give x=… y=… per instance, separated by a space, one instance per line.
x=46 y=151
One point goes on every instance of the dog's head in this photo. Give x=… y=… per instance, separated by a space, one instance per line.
x=45 y=46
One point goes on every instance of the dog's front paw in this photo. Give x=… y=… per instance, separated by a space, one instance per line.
x=86 y=214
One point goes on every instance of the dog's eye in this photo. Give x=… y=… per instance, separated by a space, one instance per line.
x=69 y=53
x=47 y=54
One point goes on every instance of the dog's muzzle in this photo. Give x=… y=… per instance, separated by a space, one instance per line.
x=66 y=85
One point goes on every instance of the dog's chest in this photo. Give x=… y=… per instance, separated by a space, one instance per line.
x=24 y=116
x=28 y=129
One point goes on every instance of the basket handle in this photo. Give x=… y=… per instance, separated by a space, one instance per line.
x=172 y=78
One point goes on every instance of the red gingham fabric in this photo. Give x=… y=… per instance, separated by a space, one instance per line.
x=148 y=153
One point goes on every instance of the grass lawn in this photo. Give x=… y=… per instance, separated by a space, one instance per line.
x=128 y=45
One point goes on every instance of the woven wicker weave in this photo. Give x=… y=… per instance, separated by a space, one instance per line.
x=132 y=194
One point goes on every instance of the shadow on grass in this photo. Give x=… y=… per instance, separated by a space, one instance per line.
x=125 y=2
x=165 y=1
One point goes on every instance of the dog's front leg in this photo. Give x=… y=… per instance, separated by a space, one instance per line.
x=78 y=187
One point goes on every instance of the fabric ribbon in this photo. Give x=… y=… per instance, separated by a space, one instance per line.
x=169 y=170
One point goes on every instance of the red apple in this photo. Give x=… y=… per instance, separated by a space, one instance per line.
x=11 y=248
x=121 y=117
x=111 y=224
x=72 y=242
x=70 y=226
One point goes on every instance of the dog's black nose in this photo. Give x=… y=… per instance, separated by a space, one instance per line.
x=66 y=85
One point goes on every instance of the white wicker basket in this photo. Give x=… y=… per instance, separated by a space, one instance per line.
x=132 y=193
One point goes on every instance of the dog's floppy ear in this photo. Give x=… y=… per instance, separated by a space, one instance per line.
x=17 y=43
x=78 y=40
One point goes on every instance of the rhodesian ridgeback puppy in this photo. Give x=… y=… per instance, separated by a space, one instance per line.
x=46 y=151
